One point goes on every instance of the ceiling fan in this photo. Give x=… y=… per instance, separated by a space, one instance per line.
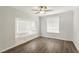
x=41 y=9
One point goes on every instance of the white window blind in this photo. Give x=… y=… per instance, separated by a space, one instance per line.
x=25 y=27
x=53 y=24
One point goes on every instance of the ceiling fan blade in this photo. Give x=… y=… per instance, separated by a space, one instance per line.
x=37 y=12
x=48 y=10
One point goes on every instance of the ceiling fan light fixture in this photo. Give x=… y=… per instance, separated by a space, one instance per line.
x=41 y=10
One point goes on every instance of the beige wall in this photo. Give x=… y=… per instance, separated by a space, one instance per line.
x=7 y=26
x=76 y=28
x=65 y=26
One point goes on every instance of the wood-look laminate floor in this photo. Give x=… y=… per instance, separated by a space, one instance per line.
x=45 y=45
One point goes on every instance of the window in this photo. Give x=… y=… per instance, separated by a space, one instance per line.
x=25 y=27
x=53 y=24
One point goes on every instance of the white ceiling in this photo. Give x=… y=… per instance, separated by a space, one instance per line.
x=56 y=9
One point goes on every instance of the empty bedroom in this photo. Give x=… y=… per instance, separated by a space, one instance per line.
x=39 y=29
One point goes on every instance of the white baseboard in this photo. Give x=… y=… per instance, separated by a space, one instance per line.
x=58 y=38
x=76 y=46
x=18 y=44
x=27 y=41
